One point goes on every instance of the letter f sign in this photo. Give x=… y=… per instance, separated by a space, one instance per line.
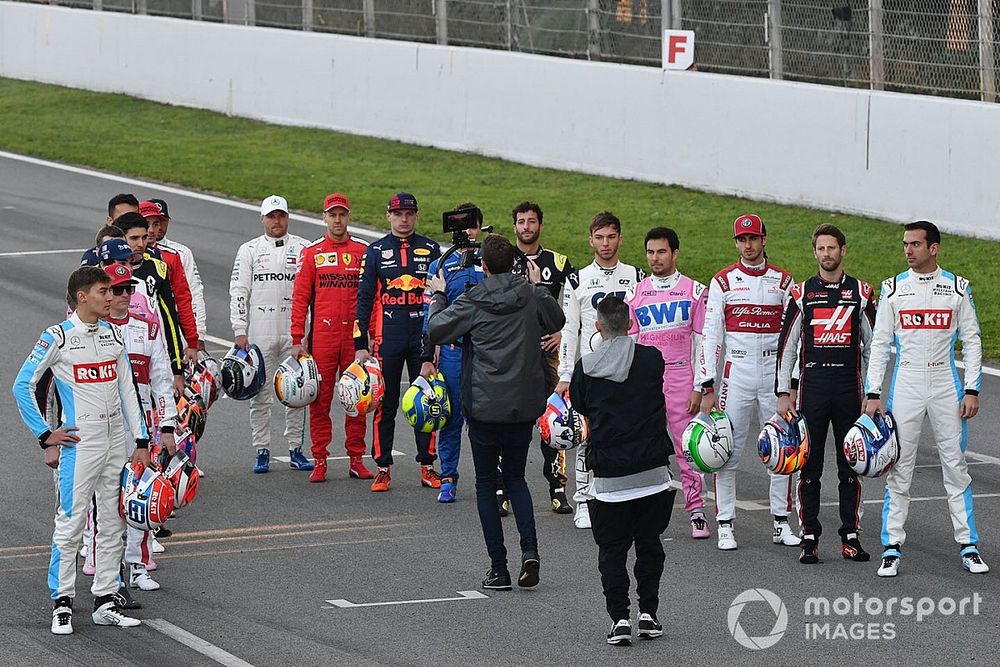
x=678 y=49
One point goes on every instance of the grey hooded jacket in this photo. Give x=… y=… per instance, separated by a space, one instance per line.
x=501 y=322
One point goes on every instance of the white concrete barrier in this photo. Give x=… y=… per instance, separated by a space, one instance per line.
x=893 y=156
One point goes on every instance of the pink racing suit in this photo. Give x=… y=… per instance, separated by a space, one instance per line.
x=669 y=314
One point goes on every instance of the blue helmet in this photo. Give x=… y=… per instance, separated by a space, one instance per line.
x=871 y=446
x=243 y=373
x=425 y=403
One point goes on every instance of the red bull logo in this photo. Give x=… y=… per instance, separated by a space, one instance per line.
x=405 y=283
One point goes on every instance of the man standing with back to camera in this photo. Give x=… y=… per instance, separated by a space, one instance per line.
x=500 y=320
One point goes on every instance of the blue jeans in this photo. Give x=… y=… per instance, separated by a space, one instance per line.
x=449 y=444
x=489 y=443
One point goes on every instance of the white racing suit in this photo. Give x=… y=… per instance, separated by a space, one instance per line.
x=260 y=293
x=921 y=316
x=744 y=317
x=584 y=289
x=96 y=393
x=147 y=353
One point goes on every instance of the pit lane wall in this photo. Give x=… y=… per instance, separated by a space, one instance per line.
x=893 y=156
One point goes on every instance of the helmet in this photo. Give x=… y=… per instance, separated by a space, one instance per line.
x=183 y=476
x=243 y=372
x=560 y=425
x=191 y=412
x=209 y=378
x=146 y=498
x=783 y=444
x=426 y=405
x=708 y=441
x=361 y=388
x=187 y=443
x=871 y=446
x=296 y=382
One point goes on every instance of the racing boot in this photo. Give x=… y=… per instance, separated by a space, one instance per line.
x=139 y=578
x=62 y=616
x=851 y=549
x=382 y=479
x=972 y=562
x=890 y=561
x=783 y=533
x=560 y=505
x=298 y=461
x=727 y=536
x=107 y=613
x=810 y=550
x=429 y=477
x=263 y=463
x=699 y=527
x=357 y=469
x=447 y=493
x=318 y=473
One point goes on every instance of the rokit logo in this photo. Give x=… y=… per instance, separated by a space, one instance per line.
x=832 y=326
x=104 y=371
x=925 y=319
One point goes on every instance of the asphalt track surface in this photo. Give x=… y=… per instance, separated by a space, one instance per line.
x=252 y=564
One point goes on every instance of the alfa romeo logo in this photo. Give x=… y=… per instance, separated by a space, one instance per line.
x=776 y=607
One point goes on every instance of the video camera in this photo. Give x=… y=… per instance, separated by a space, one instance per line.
x=458 y=222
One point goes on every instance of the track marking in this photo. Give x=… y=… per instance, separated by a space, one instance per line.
x=355 y=231
x=21 y=253
x=462 y=595
x=285 y=459
x=749 y=505
x=195 y=643
x=879 y=501
x=218 y=341
x=982 y=458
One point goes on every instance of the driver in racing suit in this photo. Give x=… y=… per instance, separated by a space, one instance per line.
x=922 y=312
x=743 y=315
x=151 y=370
x=98 y=400
x=668 y=313
x=260 y=309
x=585 y=288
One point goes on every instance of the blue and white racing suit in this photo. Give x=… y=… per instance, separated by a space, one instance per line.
x=922 y=316
x=97 y=395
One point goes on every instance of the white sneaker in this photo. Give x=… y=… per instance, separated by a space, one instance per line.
x=107 y=614
x=62 y=621
x=783 y=535
x=83 y=551
x=727 y=537
x=140 y=579
x=157 y=547
x=972 y=562
x=582 y=517
x=890 y=566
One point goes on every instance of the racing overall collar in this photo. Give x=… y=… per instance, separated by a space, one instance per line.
x=756 y=270
x=277 y=242
x=119 y=321
x=607 y=271
x=667 y=281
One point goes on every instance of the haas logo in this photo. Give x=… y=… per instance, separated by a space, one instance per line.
x=832 y=326
x=104 y=371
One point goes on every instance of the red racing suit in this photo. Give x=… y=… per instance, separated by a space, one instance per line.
x=326 y=290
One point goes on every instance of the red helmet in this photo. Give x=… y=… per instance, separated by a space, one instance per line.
x=183 y=476
x=146 y=498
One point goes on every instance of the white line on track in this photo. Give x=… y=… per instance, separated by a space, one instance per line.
x=463 y=595
x=879 y=501
x=195 y=643
x=218 y=341
x=363 y=233
x=20 y=253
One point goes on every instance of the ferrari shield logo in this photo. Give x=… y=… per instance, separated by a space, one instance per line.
x=346 y=257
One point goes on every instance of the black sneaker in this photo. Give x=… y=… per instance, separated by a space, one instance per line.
x=851 y=549
x=497 y=580
x=621 y=633
x=649 y=627
x=503 y=501
x=810 y=550
x=162 y=532
x=560 y=505
x=529 y=570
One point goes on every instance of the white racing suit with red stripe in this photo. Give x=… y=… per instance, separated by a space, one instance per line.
x=921 y=316
x=743 y=317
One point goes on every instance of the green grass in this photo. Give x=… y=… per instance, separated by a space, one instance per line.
x=247 y=159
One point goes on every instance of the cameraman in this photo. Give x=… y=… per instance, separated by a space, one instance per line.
x=500 y=322
x=461 y=270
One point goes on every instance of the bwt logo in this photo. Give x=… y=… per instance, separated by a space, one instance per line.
x=104 y=371
x=774 y=606
x=660 y=313
x=925 y=319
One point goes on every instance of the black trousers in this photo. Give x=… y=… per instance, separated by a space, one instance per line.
x=616 y=526
x=825 y=401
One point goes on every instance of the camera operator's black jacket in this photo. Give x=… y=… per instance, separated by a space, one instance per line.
x=501 y=322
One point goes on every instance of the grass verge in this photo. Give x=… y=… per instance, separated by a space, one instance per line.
x=248 y=159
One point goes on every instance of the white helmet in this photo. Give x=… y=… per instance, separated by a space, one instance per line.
x=708 y=441
x=296 y=382
x=560 y=426
x=871 y=447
